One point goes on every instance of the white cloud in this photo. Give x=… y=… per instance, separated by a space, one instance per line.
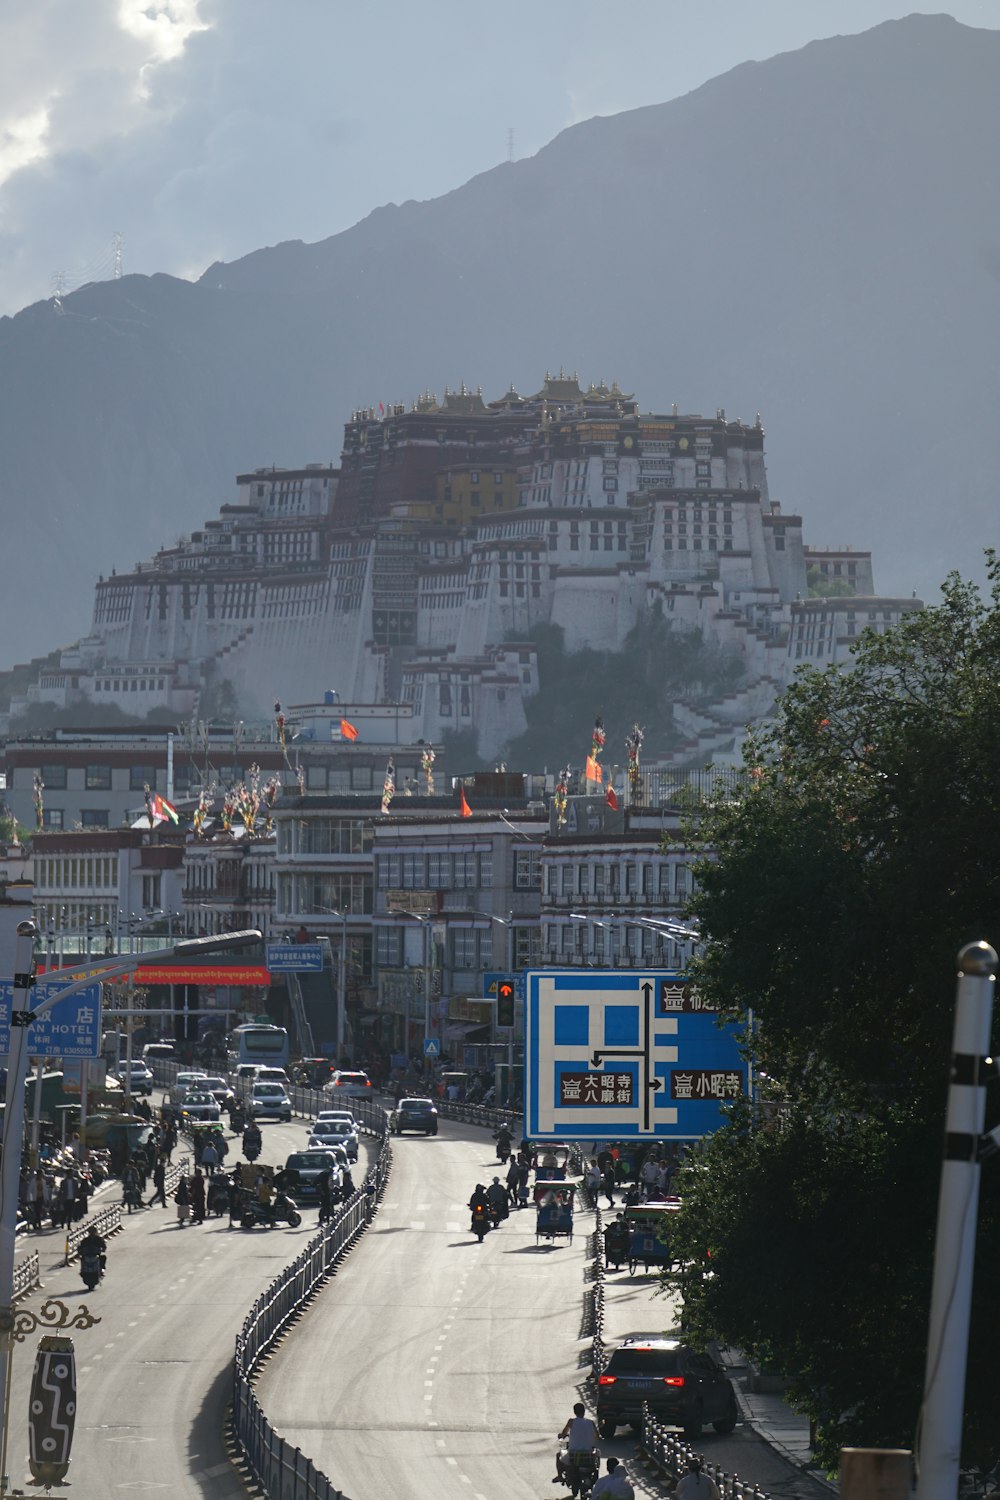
x=23 y=140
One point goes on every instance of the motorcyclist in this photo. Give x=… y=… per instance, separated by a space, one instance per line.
x=616 y=1241
x=93 y=1244
x=252 y=1141
x=581 y=1435
x=496 y=1197
x=479 y=1203
x=614 y=1485
x=504 y=1142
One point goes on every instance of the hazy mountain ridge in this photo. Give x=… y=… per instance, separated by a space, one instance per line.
x=816 y=237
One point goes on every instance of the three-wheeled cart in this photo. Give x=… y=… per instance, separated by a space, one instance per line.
x=649 y=1234
x=554 y=1209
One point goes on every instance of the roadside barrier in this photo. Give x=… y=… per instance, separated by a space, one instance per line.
x=108 y=1221
x=284 y=1472
x=667 y=1450
x=26 y=1276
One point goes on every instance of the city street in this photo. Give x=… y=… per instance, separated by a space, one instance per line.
x=431 y=1364
x=154 y=1374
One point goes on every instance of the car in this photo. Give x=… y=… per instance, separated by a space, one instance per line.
x=414 y=1114
x=268 y=1099
x=137 y=1076
x=221 y=1090
x=183 y=1084
x=159 y=1052
x=681 y=1387
x=201 y=1107
x=341 y=1116
x=345 y=1085
x=308 y=1167
x=338 y=1134
x=323 y=1143
x=271 y=1075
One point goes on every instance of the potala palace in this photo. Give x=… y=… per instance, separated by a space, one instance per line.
x=416 y=572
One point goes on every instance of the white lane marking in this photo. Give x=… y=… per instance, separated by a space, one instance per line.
x=440 y=1442
x=432 y=1424
x=428 y=1382
x=453 y=1227
x=422 y=1208
x=429 y=1396
x=418 y=1224
x=452 y=1461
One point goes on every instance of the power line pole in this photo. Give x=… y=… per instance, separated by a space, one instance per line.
x=118 y=243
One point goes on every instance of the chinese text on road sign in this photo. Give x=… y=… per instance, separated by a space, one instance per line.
x=625 y=1053
x=72 y=1028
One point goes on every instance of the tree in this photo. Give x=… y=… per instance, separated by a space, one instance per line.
x=840 y=887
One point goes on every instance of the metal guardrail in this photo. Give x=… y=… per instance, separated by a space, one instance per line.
x=284 y=1472
x=108 y=1221
x=670 y=1453
x=26 y=1276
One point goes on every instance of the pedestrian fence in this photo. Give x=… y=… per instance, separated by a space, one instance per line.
x=108 y=1221
x=26 y=1276
x=284 y=1472
x=669 y=1452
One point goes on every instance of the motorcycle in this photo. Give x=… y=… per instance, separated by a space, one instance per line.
x=91 y=1268
x=499 y=1208
x=280 y=1210
x=579 y=1471
x=480 y=1221
x=217 y=1195
x=503 y=1147
x=252 y=1143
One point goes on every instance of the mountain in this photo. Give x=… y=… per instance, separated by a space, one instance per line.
x=815 y=237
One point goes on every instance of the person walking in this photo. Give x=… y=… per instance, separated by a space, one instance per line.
x=694 y=1485
x=614 y=1485
x=608 y=1184
x=131 y=1192
x=198 y=1196
x=209 y=1157
x=182 y=1197
x=159 y=1183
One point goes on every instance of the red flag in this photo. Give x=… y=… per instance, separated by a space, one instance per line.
x=611 y=799
x=381 y=410
x=464 y=808
x=347 y=731
x=592 y=770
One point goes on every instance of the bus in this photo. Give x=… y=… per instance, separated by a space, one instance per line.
x=257 y=1043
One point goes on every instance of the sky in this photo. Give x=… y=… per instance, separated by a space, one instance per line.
x=199 y=130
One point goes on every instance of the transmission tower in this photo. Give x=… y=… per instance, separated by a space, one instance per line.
x=510 y=143
x=58 y=289
x=118 y=244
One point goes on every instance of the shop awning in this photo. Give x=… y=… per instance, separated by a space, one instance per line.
x=457 y=1031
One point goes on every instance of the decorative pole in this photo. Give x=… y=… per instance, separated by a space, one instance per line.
x=955 y=1246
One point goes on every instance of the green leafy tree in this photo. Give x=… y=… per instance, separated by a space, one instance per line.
x=861 y=857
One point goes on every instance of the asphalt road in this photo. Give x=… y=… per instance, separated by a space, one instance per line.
x=432 y=1365
x=154 y=1375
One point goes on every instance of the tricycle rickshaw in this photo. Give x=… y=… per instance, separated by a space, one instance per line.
x=554 y=1209
x=551 y=1161
x=648 y=1242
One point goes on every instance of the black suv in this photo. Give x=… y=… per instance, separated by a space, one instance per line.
x=680 y=1386
x=414 y=1114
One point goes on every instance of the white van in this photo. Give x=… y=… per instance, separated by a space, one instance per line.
x=159 y=1052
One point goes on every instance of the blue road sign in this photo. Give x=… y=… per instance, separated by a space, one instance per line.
x=294 y=958
x=625 y=1053
x=72 y=1028
x=432 y=1047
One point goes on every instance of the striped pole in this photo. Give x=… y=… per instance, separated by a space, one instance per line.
x=955 y=1245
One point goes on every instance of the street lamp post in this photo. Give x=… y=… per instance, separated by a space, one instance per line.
x=507 y=923
x=22 y=1015
x=425 y=923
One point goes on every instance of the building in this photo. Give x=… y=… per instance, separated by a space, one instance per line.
x=417 y=571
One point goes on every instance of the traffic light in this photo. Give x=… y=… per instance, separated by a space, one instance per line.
x=505 y=1003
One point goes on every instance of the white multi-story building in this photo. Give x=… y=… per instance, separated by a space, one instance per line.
x=418 y=571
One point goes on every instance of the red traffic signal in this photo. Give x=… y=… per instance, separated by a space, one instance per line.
x=505 y=1003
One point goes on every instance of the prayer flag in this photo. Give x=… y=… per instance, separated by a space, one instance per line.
x=347 y=731
x=464 y=808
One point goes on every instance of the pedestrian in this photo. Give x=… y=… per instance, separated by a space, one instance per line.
x=694 y=1485
x=523 y=1172
x=325 y=1196
x=592 y=1178
x=182 y=1197
x=513 y=1171
x=131 y=1192
x=347 y=1188
x=159 y=1183
x=198 y=1196
x=608 y=1184
x=614 y=1485
x=209 y=1157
